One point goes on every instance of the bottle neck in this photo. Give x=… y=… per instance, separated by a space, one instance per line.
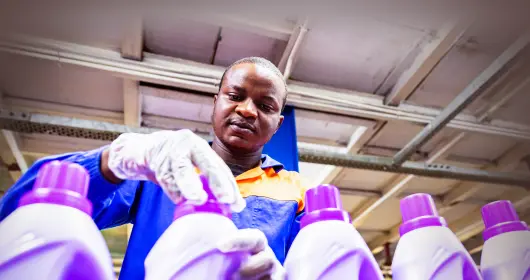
x=421 y=222
x=326 y=214
x=504 y=228
x=62 y=197
x=211 y=207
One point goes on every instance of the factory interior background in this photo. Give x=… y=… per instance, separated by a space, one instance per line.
x=363 y=81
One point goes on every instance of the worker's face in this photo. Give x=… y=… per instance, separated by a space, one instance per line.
x=247 y=109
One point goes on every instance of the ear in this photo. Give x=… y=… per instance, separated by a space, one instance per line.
x=280 y=121
x=213 y=110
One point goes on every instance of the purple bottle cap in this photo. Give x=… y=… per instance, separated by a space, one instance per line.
x=62 y=183
x=210 y=206
x=500 y=217
x=418 y=211
x=323 y=203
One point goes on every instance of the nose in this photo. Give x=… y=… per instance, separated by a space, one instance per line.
x=247 y=109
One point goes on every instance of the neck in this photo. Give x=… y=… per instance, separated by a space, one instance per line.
x=245 y=161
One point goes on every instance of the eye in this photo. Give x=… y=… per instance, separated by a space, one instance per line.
x=266 y=108
x=235 y=97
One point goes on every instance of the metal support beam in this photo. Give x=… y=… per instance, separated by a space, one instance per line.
x=39 y=123
x=468 y=95
x=431 y=54
x=356 y=142
x=205 y=78
x=420 y=169
x=399 y=185
x=508 y=162
x=461 y=192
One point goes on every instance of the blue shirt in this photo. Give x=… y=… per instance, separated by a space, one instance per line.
x=273 y=195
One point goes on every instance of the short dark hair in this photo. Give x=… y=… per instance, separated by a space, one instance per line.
x=261 y=62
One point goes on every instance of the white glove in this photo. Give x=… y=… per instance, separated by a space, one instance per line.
x=168 y=158
x=262 y=264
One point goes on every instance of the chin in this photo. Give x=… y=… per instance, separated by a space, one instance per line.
x=236 y=142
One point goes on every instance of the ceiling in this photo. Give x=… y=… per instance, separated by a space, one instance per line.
x=95 y=62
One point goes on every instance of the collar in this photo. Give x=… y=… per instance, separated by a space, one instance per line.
x=268 y=165
x=266 y=162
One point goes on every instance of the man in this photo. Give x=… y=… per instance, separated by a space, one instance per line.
x=139 y=178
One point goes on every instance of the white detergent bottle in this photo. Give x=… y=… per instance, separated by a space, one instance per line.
x=51 y=235
x=328 y=247
x=428 y=249
x=187 y=250
x=506 y=251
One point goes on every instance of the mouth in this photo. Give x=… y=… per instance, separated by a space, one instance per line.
x=241 y=126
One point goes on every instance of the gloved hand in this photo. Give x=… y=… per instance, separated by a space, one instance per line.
x=168 y=158
x=262 y=264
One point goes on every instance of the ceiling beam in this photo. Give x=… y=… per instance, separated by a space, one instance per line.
x=39 y=123
x=14 y=147
x=280 y=31
x=357 y=140
x=465 y=190
x=468 y=95
x=58 y=109
x=430 y=55
x=509 y=160
x=132 y=48
x=290 y=54
x=132 y=103
x=133 y=41
x=205 y=78
x=427 y=58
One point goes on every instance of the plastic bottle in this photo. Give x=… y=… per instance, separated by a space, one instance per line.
x=328 y=246
x=51 y=234
x=428 y=249
x=506 y=251
x=188 y=247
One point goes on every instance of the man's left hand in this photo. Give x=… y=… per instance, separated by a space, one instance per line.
x=262 y=264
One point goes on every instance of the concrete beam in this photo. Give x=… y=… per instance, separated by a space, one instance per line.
x=205 y=78
x=290 y=54
x=280 y=31
x=430 y=55
x=133 y=40
x=14 y=146
x=132 y=103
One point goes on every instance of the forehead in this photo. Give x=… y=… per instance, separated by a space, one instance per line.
x=255 y=76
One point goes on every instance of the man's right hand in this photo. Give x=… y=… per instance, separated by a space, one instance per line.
x=169 y=158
